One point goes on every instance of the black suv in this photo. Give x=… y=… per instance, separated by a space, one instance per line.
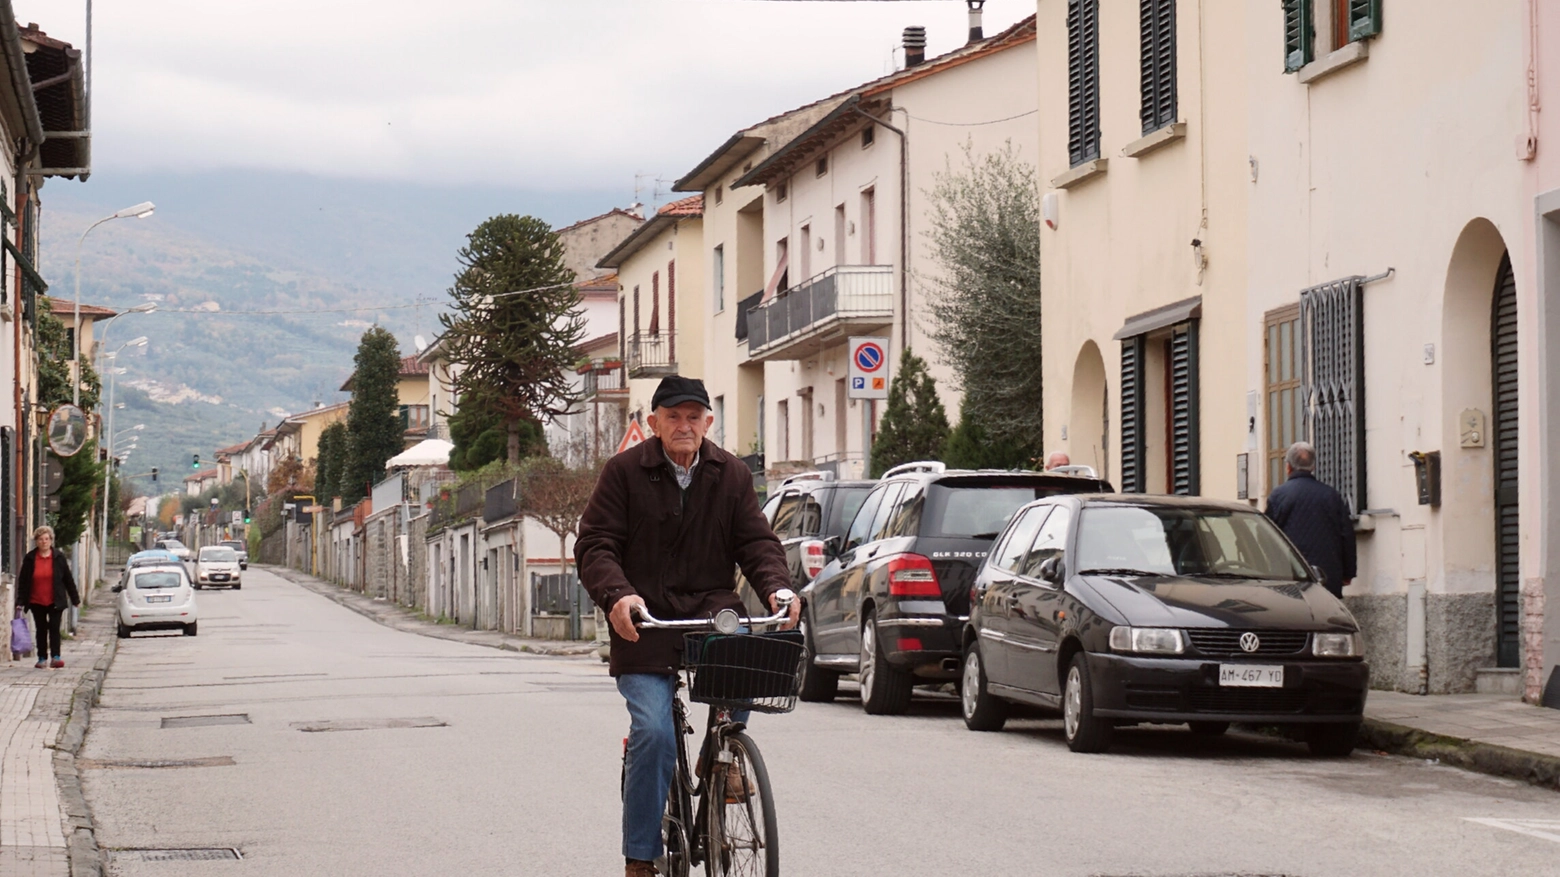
x=892 y=602
x=805 y=511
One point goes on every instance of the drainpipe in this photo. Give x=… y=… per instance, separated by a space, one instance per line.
x=904 y=224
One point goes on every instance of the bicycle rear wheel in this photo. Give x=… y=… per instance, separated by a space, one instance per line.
x=676 y=832
x=741 y=827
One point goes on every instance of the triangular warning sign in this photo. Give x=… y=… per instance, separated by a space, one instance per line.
x=632 y=436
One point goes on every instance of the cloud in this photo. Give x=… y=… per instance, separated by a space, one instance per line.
x=546 y=94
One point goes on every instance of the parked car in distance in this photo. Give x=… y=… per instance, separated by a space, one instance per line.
x=805 y=511
x=176 y=547
x=156 y=597
x=217 y=565
x=238 y=548
x=892 y=601
x=1129 y=609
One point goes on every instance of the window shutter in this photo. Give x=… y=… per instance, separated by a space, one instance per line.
x=1083 y=81
x=1299 y=34
x=1364 y=19
x=1132 y=480
x=1184 y=413
x=1156 y=62
x=1331 y=316
x=7 y=499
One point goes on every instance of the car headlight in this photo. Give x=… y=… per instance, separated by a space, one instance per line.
x=1149 y=640
x=1337 y=645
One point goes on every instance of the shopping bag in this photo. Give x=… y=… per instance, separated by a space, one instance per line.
x=21 y=636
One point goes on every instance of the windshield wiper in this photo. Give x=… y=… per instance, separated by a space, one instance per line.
x=1119 y=571
x=984 y=535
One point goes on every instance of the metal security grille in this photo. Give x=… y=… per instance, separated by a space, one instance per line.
x=1184 y=414
x=1503 y=367
x=1331 y=319
x=1156 y=62
x=1083 y=80
x=1132 y=480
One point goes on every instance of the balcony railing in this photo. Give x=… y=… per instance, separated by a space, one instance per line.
x=842 y=300
x=603 y=382
x=652 y=356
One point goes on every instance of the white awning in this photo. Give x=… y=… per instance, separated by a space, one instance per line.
x=432 y=452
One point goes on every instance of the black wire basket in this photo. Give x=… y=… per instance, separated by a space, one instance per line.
x=745 y=671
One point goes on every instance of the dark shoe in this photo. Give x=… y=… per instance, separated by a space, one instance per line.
x=738 y=787
x=57 y=663
x=636 y=868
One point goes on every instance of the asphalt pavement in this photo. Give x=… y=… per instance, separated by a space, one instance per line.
x=313 y=741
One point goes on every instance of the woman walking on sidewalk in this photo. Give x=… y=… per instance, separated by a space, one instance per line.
x=49 y=587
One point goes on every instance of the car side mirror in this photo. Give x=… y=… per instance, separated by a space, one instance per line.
x=831 y=546
x=1051 y=570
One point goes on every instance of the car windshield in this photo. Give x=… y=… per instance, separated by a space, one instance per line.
x=975 y=511
x=218 y=555
x=236 y=546
x=1172 y=541
x=155 y=578
x=153 y=559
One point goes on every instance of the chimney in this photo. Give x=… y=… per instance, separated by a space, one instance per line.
x=915 y=46
x=977 y=32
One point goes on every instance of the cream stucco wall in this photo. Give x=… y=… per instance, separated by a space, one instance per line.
x=680 y=244
x=733 y=221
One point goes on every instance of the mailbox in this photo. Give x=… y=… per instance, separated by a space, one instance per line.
x=1427 y=476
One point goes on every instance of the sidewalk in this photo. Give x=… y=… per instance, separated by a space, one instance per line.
x=400 y=618
x=1491 y=733
x=45 y=829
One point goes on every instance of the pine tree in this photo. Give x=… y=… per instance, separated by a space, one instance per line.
x=332 y=461
x=373 y=418
x=517 y=324
x=915 y=424
x=78 y=495
x=480 y=438
x=970 y=447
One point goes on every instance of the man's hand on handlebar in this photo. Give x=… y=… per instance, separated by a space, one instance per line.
x=795 y=607
x=622 y=617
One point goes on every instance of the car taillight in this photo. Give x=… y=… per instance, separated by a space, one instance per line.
x=813 y=558
x=911 y=575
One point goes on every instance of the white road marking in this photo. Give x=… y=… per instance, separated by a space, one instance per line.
x=1547 y=829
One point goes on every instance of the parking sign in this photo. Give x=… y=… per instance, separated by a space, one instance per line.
x=868 y=368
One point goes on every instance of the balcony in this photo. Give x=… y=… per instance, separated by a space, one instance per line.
x=602 y=381
x=652 y=356
x=822 y=311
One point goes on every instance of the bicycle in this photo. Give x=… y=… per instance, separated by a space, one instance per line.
x=731 y=670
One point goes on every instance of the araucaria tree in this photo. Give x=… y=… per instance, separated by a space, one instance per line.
x=331 y=465
x=915 y=424
x=373 y=419
x=985 y=236
x=516 y=325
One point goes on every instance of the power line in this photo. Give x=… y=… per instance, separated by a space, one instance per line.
x=974 y=124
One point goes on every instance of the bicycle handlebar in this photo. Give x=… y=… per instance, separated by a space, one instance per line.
x=725 y=621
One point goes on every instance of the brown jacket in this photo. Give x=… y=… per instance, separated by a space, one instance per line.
x=642 y=535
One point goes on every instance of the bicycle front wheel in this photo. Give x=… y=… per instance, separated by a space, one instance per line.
x=740 y=815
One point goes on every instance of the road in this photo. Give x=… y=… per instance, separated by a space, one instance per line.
x=516 y=772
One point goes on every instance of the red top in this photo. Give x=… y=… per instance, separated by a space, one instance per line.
x=43 y=580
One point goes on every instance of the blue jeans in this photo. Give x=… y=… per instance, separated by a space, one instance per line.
x=652 y=759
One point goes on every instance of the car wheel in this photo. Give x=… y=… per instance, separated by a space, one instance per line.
x=1084 y=731
x=191 y=629
x=983 y=711
x=818 y=685
x=122 y=631
x=1209 y=729
x=197 y=586
x=885 y=689
x=237 y=585
x=1332 y=741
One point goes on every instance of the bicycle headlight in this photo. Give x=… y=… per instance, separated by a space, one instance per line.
x=727 y=621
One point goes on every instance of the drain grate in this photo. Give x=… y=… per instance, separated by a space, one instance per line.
x=210 y=854
x=203 y=721
x=368 y=724
x=123 y=764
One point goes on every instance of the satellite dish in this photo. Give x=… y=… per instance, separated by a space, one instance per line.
x=420 y=343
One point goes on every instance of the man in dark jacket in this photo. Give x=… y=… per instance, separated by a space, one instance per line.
x=668 y=523
x=1315 y=518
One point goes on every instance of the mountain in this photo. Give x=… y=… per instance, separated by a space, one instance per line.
x=264 y=283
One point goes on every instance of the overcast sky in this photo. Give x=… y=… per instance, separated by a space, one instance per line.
x=534 y=93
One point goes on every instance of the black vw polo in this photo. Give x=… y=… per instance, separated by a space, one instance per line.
x=1123 y=609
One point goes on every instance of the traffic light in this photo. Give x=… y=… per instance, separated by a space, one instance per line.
x=154 y=474
x=246 y=516
x=195 y=461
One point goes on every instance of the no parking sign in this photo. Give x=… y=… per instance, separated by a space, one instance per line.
x=868 y=368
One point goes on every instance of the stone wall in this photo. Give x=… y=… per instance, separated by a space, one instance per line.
x=1460 y=636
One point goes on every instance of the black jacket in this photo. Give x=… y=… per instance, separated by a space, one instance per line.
x=679 y=551
x=64 y=582
x=1316 y=519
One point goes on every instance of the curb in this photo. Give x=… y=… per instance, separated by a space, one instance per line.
x=388 y=614
x=86 y=859
x=1502 y=761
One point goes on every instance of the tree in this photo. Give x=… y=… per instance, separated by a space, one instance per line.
x=373 y=418
x=985 y=235
x=55 y=355
x=915 y=425
x=331 y=464
x=555 y=496
x=969 y=447
x=480 y=438
x=290 y=476
x=516 y=327
x=78 y=494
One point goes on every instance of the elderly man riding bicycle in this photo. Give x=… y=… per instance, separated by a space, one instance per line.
x=667 y=524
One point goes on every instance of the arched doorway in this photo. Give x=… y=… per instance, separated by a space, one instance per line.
x=1088 y=438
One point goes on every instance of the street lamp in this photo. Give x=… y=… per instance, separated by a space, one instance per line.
x=108 y=470
x=139 y=211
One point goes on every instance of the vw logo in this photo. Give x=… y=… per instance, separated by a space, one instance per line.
x=1249 y=642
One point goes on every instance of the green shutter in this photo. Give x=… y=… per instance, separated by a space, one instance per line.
x=1364 y=19
x=1299 y=34
x=1185 y=416
x=1132 y=405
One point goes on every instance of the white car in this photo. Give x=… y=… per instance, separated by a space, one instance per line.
x=179 y=549
x=217 y=565
x=156 y=598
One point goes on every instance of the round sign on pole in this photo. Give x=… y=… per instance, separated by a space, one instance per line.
x=53 y=475
x=869 y=356
x=67 y=430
